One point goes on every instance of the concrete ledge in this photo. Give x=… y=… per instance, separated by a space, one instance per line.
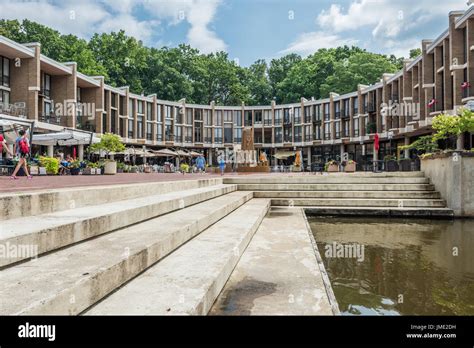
x=14 y=205
x=335 y=187
x=364 y=202
x=453 y=177
x=438 y=213
x=73 y=279
x=52 y=231
x=349 y=194
x=278 y=274
x=189 y=280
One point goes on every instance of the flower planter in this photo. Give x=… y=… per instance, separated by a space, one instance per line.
x=405 y=165
x=332 y=168
x=350 y=167
x=42 y=171
x=98 y=171
x=34 y=170
x=75 y=171
x=147 y=170
x=110 y=168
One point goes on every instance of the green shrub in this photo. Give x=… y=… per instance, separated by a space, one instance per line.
x=50 y=163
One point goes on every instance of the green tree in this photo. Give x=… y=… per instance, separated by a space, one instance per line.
x=415 y=52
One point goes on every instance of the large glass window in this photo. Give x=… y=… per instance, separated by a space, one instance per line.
x=278 y=135
x=198 y=132
x=227 y=116
x=218 y=118
x=207 y=117
x=277 y=117
x=326 y=112
x=158 y=113
x=149 y=111
x=248 y=118
x=267 y=117
x=238 y=118
x=130 y=128
x=4 y=71
x=258 y=116
x=297 y=112
x=218 y=135
x=228 y=133
x=130 y=108
x=189 y=116
x=237 y=135
x=46 y=85
x=4 y=97
x=149 y=128
x=140 y=127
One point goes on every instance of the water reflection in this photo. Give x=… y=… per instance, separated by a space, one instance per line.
x=410 y=267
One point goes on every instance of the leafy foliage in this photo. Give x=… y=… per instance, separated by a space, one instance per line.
x=184 y=72
x=108 y=143
x=425 y=143
x=453 y=125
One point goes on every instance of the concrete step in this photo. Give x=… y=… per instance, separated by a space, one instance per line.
x=48 y=232
x=437 y=213
x=364 y=202
x=279 y=272
x=70 y=280
x=348 y=194
x=335 y=187
x=21 y=204
x=327 y=179
x=190 y=279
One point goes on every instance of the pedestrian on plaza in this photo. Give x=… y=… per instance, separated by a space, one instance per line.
x=222 y=164
x=22 y=152
x=201 y=164
x=4 y=147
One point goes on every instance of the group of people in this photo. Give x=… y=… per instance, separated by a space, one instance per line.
x=21 y=151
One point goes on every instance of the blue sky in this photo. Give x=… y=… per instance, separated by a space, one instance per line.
x=249 y=29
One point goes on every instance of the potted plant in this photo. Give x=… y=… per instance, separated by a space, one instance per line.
x=75 y=167
x=109 y=142
x=120 y=167
x=350 y=166
x=331 y=166
x=391 y=164
x=184 y=167
x=371 y=128
x=51 y=164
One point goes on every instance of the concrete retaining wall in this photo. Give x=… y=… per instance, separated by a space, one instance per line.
x=453 y=177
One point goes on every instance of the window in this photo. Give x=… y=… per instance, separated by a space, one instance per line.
x=277 y=117
x=287 y=134
x=113 y=117
x=238 y=118
x=168 y=113
x=198 y=132
x=178 y=136
x=208 y=135
x=189 y=117
x=158 y=113
x=356 y=127
x=248 y=118
x=327 y=131
x=267 y=117
x=149 y=132
x=179 y=115
x=326 y=112
x=140 y=127
x=46 y=85
x=307 y=133
x=130 y=108
x=159 y=132
x=317 y=133
x=168 y=130
x=227 y=116
x=337 y=126
x=286 y=116
x=140 y=107
x=228 y=133
x=197 y=114
x=149 y=111
x=297 y=112
x=355 y=105
x=258 y=116
x=218 y=135
x=317 y=113
x=337 y=110
x=218 y=118
x=278 y=134
x=188 y=136
x=298 y=137
x=113 y=102
x=130 y=128
x=4 y=97
x=4 y=71
x=308 y=114
x=237 y=135
x=207 y=118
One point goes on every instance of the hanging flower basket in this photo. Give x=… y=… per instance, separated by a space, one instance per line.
x=432 y=102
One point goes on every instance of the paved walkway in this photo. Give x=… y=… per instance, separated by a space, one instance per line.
x=55 y=182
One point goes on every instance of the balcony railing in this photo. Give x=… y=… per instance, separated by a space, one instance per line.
x=356 y=110
x=327 y=136
x=337 y=135
x=337 y=115
x=218 y=140
x=130 y=134
x=237 y=140
x=308 y=137
x=267 y=122
x=149 y=136
x=208 y=139
x=371 y=107
x=50 y=118
x=297 y=120
x=159 y=137
x=278 y=139
x=277 y=121
x=356 y=132
x=188 y=139
x=17 y=109
x=169 y=137
x=178 y=138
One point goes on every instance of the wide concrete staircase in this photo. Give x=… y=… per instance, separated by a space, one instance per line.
x=388 y=194
x=162 y=248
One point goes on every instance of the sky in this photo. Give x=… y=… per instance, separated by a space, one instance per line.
x=249 y=29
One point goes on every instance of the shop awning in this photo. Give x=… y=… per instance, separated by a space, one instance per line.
x=165 y=153
x=195 y=154
x=67 y=137
x=284 y=154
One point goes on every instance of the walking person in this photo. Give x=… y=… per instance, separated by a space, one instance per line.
x=4 y=146
x=22 y=151
x=222 y=164
x=200 y=164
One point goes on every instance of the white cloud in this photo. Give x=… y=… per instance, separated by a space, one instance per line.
x=198 y=13
x=90 y=16
x=308 y=43
x=388 y=18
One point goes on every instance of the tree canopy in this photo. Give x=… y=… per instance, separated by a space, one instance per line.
x=180 y=72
